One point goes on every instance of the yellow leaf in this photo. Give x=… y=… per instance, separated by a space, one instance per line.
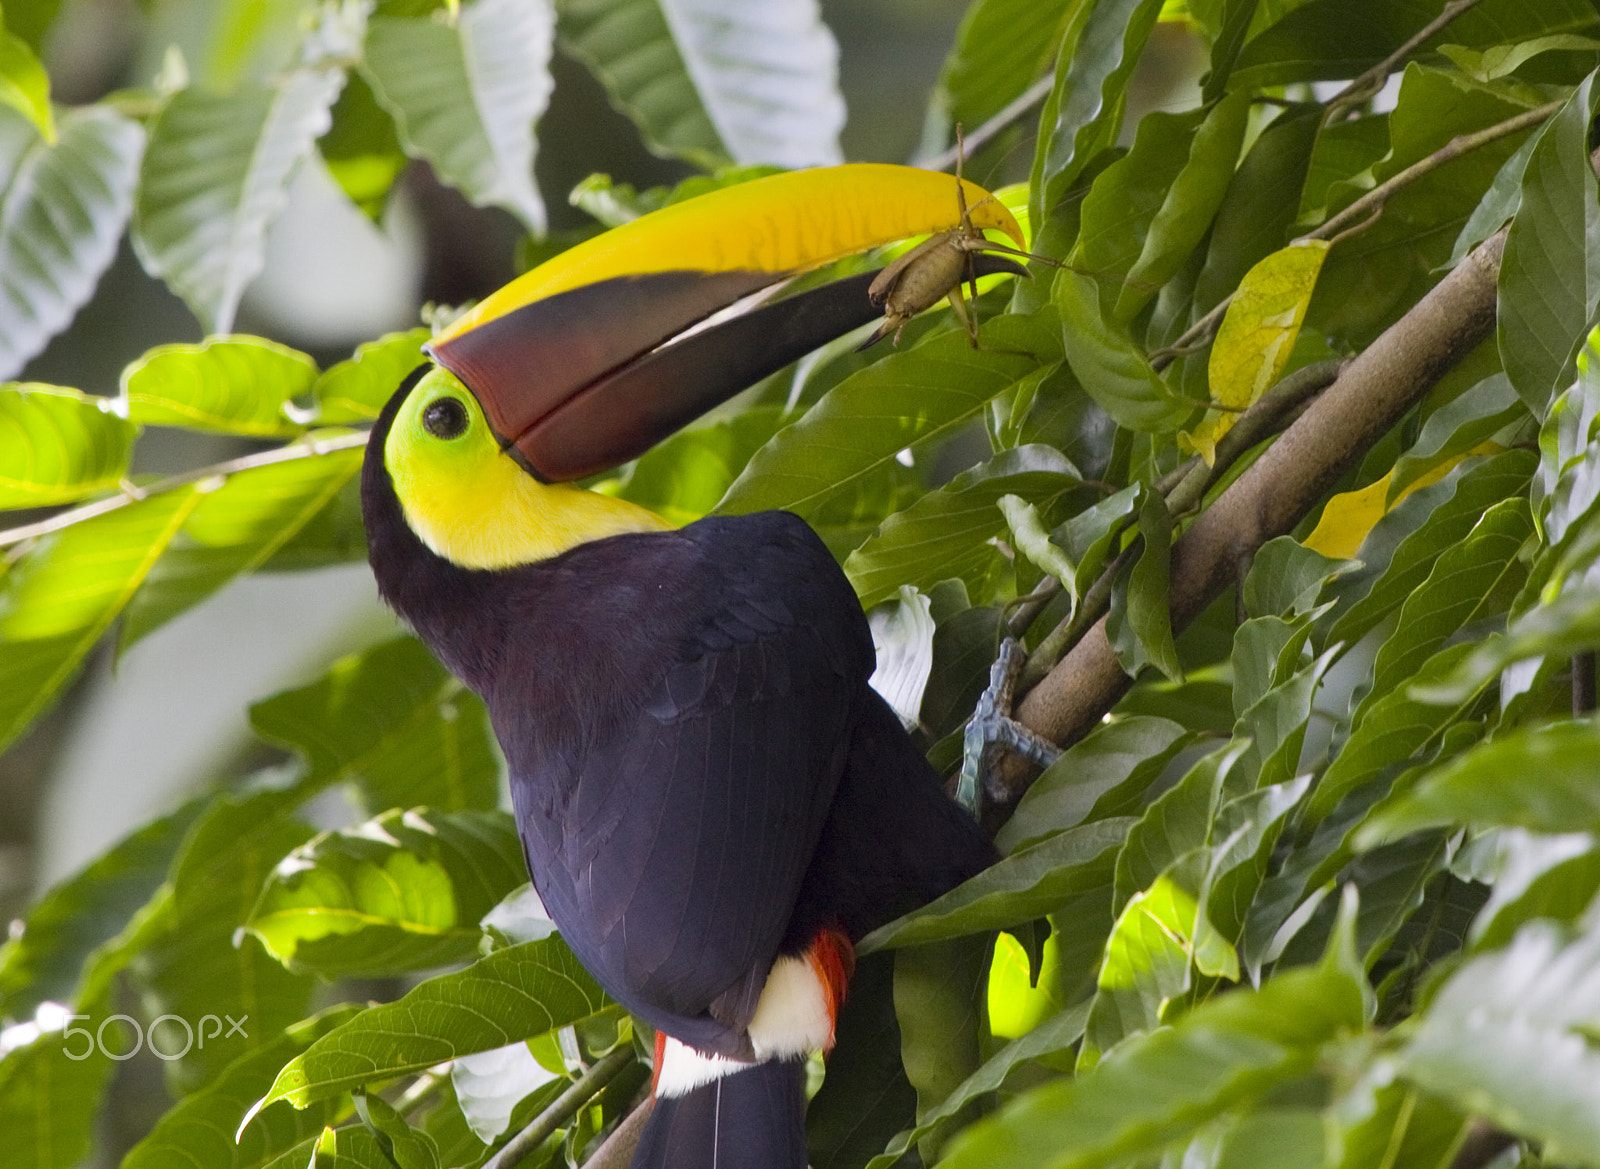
x=1349 y=516
x=1257 y=336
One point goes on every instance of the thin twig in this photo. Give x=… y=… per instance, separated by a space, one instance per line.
x=1363 y=87
x=1200 y=333
x=996 y=125
x=1373 y=200
x=1273 y=411
x=304 y=448
x=585 y=1088
x=616 y=1151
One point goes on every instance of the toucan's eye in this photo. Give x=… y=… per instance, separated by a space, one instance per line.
x=445 y=417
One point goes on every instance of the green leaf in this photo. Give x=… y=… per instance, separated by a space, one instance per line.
x=515 y=993
x=235 y=530
x=63 y=207
x=1001 y=48
x=393 y=722
x=403 y=891
x=1464 y=585
x=24 y=84
x=716 y=80
x=1457 y=428
x=1189 y=206
x=1286 y=576
x=50 y=956
x=1105 y=773
x=1507 y=1037
x=356 y=389
x=50 y=1094
x=860 y=425
x=495 y=54
x=1318 y=41
x=1399 y=552
x=1052 y=1037
x=946 y=532
x=1165 y=1084
x=1390 y=733
x=361 y=149
x=939 y=989
x=1123 y=202
x=214 y=177
x=1083 y=114
x=1536 y=875
x=193 y=962
x=57 y=601
x=1540 y=778
x=199 y=1129
x=1111 y=368
x=1550 y=275
x=59 y=444
x=238 y=385
x=1022 y=887
x=1567 y=625
x=1140 y=627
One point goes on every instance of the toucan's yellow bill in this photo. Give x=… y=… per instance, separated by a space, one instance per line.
x=571 y=360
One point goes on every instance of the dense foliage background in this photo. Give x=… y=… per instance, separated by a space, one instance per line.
x=1317 y=889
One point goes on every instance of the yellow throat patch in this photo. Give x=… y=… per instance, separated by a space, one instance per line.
x=474 y=505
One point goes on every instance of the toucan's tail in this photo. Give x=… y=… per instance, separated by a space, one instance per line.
x=752 y=1119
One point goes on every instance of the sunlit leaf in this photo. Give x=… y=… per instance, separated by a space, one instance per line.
x=403 y=891
x=495 y=54
x=392 y=722
x=24 y=84
x=1507 y=1037
x=1001 y=48
x=61 y=597
x=63 y=207
x=200 y=1129
x=1230 y=1050
x=234 y=385
x=234 y=530
x=214 y=177
x=515 y=993
x=1540 y=778
x=50 y=1092
x=59 y=444
x=714 y=80
x=355 y=390
x=1257 y=336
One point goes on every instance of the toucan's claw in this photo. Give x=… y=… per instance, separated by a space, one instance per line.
x=992 y=728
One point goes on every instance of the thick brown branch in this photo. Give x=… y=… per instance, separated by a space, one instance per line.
x=1372 y=393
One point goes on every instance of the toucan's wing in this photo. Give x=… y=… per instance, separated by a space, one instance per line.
x=675 y=863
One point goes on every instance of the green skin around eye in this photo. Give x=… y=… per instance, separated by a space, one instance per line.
x=474 y=504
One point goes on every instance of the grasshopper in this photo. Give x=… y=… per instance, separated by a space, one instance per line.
x=937 y=267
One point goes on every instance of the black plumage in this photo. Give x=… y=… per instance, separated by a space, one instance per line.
x=702 y=777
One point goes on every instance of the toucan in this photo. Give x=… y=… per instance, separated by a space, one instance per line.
x=713 y=802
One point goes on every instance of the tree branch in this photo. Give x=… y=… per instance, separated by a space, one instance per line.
x=302 y=448
x=565 y=1106
x=1372 y=393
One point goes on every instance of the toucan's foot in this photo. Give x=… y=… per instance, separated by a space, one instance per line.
x=992 y=728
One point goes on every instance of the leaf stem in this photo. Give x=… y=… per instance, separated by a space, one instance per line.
x=565 y=1106
x=307 y=447
x=992 y=129
x=1369 y=205
x=1369 y=83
